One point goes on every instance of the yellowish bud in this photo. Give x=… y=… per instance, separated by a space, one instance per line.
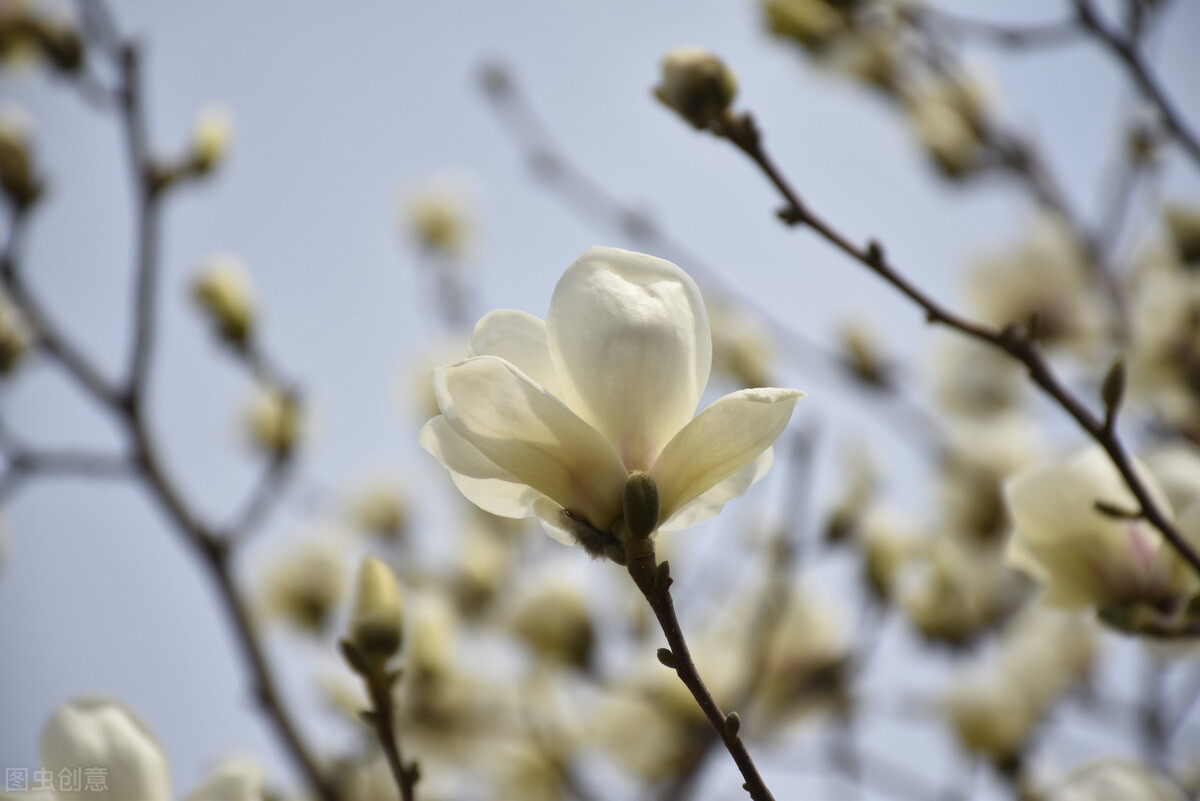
x=810 y=23
x=696 y=84
x=274 y=420
x=223 y=290
x=212 y=134
x=377 y=623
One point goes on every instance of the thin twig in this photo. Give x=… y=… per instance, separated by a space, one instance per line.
x=656 y=588
x=1046 y=34
x=1017 y=343
x=48 y=338
x=1127 y=51
x=147 y=193
x=382 y=718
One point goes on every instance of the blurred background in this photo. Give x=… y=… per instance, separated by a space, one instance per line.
x=344 y=117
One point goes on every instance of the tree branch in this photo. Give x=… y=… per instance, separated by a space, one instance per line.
x=656 y=588
x=742 y=132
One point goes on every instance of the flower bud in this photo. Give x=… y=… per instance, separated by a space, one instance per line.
x=222 y=290
x=810 y=23
x=211 y=137
x=1083 y=556
x=14 y=336
x=438 y=216
x=696 y=84
x=17 y=178
x=377 y=623
x=274 y=420
x=98 y=733
x=641 y=505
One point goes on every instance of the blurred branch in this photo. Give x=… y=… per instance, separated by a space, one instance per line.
x=48 y=337
x=126 y=404
x=742 y=132
x=1129 y=53
x=148 y=186
x=1046 y=34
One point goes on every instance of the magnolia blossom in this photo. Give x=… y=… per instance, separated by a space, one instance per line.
x=1083 y=556
x=551 y=418
x=102 y=733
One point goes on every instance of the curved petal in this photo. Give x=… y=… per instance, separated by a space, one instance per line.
x=101 y=733
x=630 y=342
x=549 y=514
x=709 y=504
x=478 y=478
x=520 y=339
x=531 y=435
x=722 y=440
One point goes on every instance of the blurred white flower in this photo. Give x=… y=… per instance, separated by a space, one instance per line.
x=99 y=733
x=1044 y=274
x=233 y=779
x=1085 y=557
x=1115 y=779
x=550 y=419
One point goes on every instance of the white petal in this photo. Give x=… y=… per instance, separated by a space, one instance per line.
x=235 y=779
x=519 y=339
x=478 y=478
x=1052 y=498
x=630 y=341
x=532 y=436
x=100 y=733
x=722 y=440
x=709 y=504
x=549 y=514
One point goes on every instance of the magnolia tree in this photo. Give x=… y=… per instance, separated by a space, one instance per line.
x=1048 y=578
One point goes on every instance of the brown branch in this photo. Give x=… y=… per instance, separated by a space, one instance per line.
x=742 y=132
x=656 y=587
x=48 y=337
x=1126 y=49
x=128 y=409
x=148 y=186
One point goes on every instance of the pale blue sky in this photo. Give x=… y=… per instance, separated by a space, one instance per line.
x=339 y=108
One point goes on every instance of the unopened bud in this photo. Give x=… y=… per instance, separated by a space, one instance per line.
x=641 y=505
x=223 y=291
x=274 y=420
x=17 y=177
x=696 y=84
x=377 y=623
x=212 y=134
x=1184 y=225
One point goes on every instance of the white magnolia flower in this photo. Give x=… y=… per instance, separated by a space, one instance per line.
x=103 y=735
x=1083 y=556
x=550 y=418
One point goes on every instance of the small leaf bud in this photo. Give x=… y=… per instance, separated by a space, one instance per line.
x=667 y=658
